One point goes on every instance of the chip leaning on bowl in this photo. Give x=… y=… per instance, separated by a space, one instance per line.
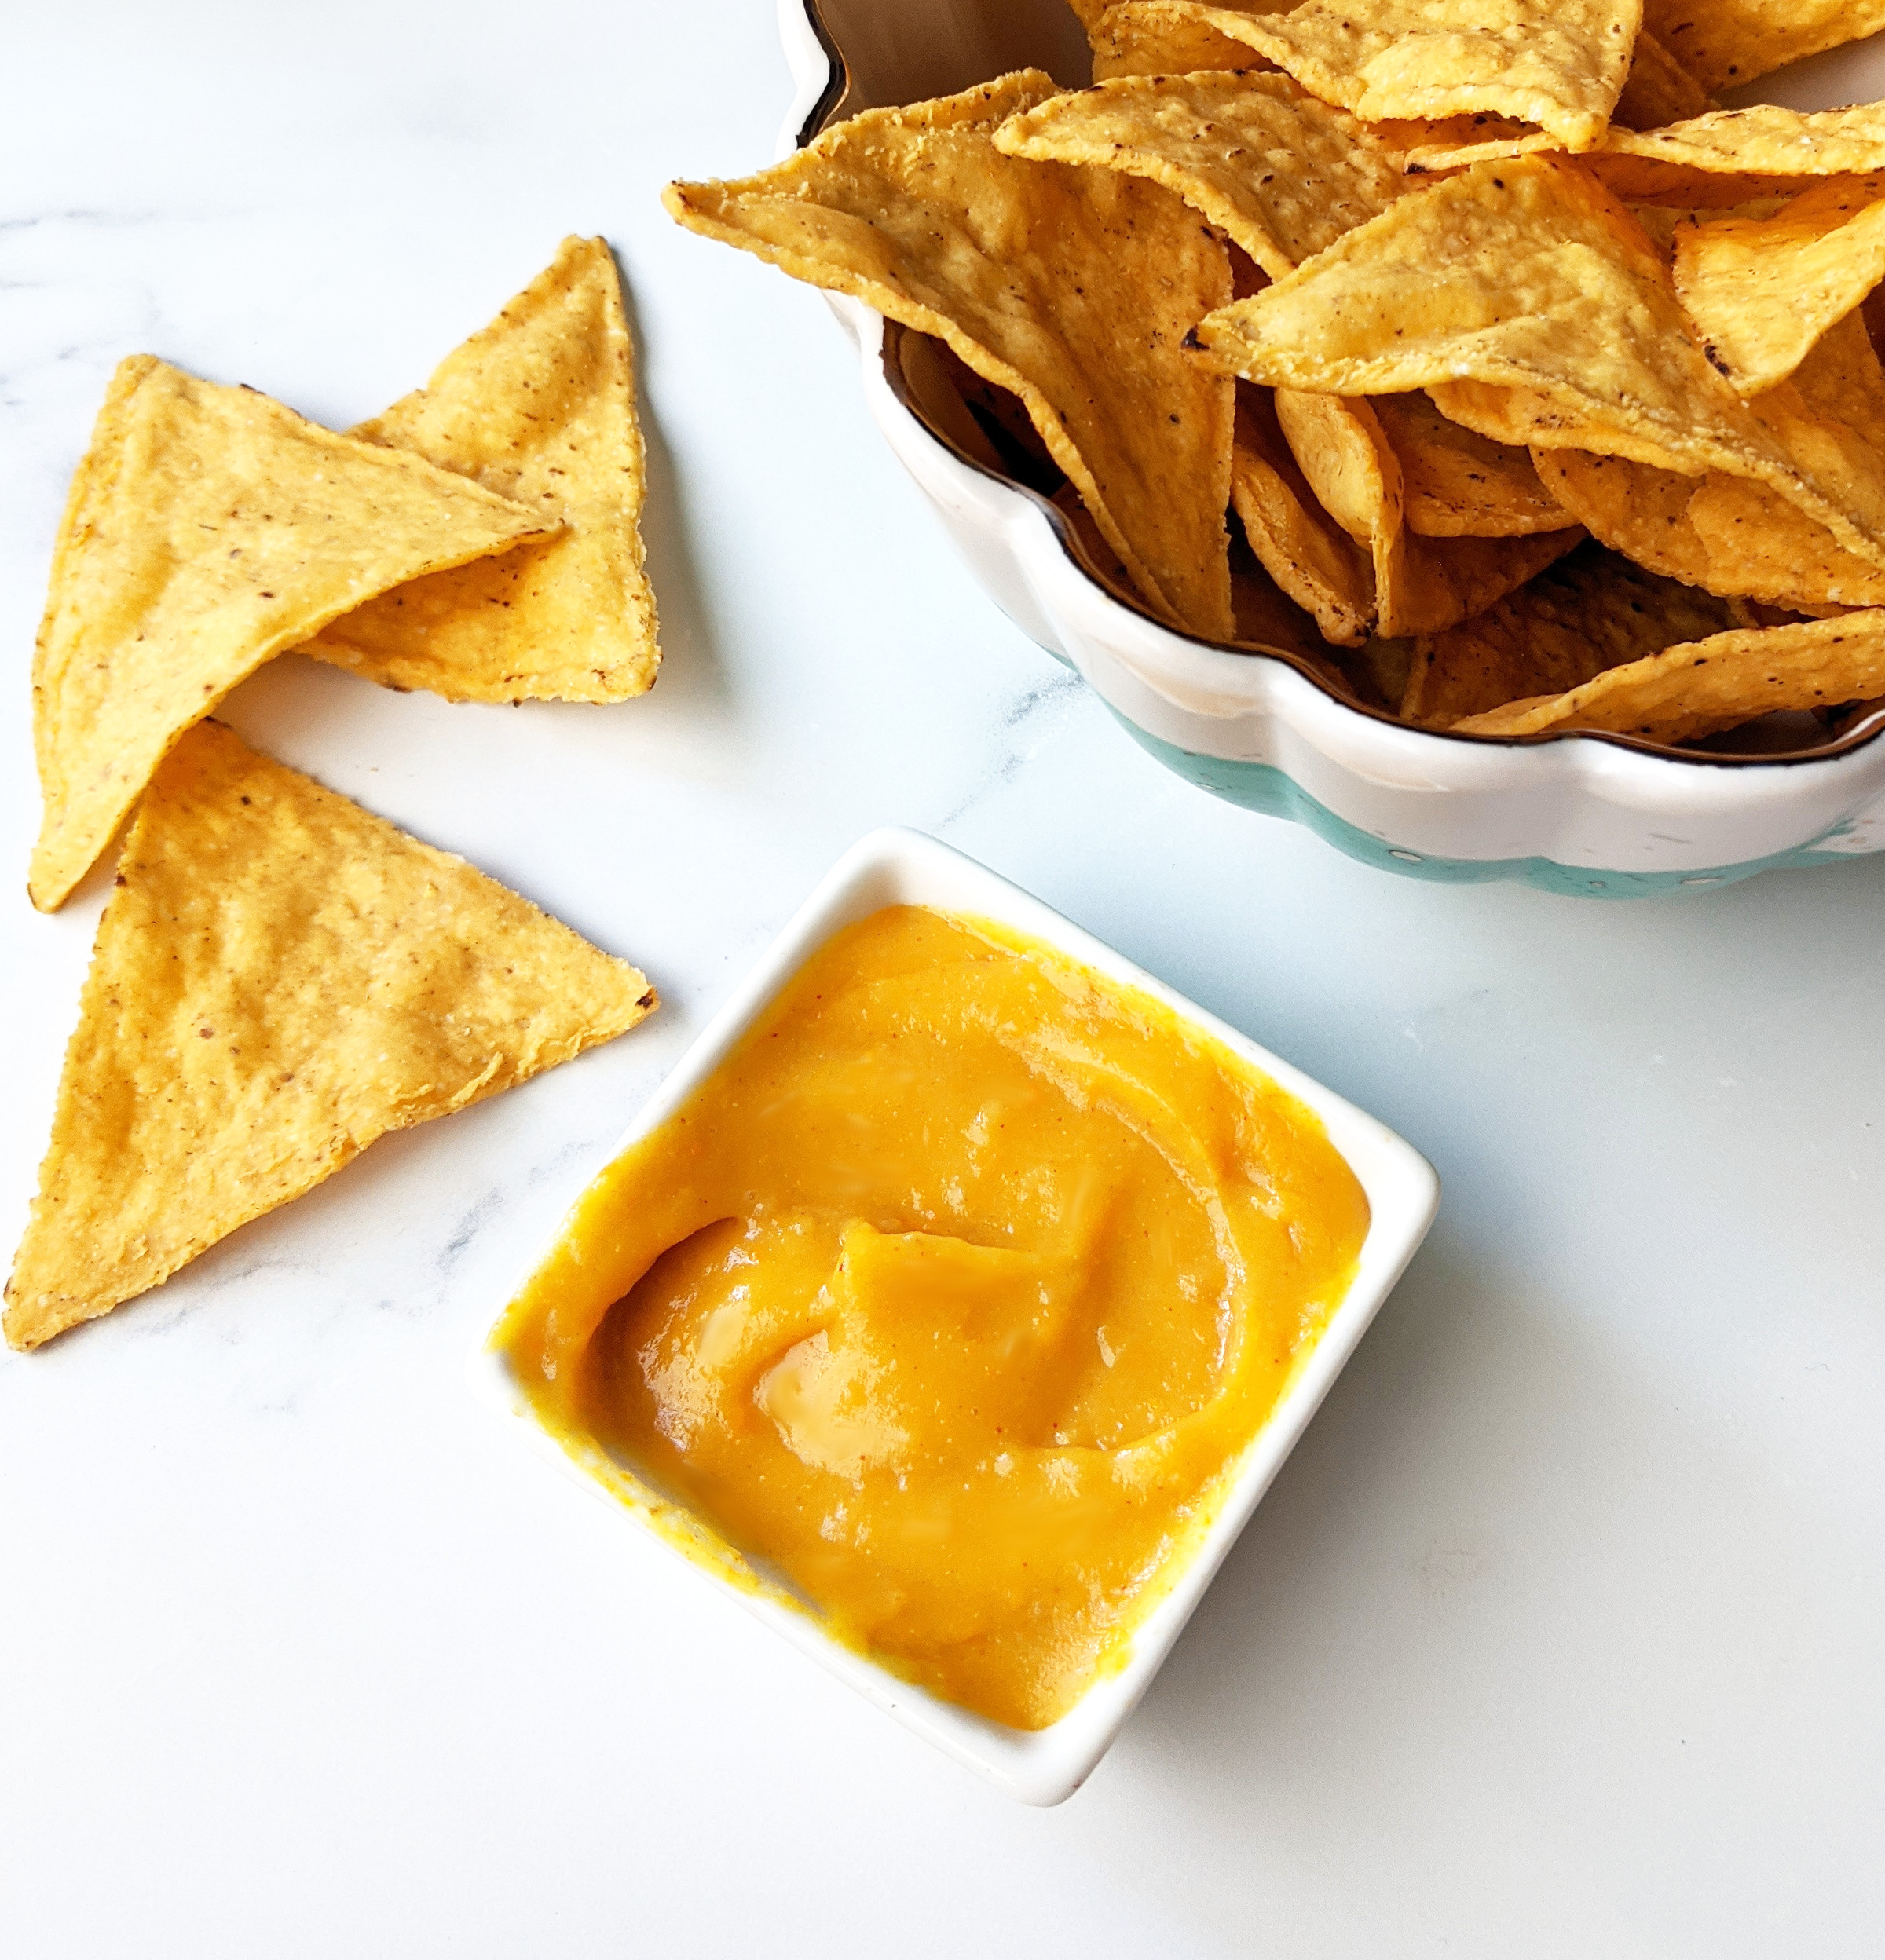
x=1505 y=277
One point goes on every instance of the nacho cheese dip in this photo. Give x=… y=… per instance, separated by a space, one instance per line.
x=951 y=1298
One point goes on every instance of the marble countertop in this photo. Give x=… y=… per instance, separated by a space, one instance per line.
x=1559 y=1635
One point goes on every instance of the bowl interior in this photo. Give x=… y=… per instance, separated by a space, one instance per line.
x=918 y=49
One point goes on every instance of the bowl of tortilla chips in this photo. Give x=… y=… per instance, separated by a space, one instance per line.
x=1443 y=424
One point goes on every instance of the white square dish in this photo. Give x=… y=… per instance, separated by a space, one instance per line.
x=896 y=867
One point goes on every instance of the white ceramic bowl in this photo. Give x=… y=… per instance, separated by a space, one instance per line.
x=902 y=867
x=1587 y=813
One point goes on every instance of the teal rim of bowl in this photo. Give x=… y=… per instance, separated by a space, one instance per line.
x=1262 y=787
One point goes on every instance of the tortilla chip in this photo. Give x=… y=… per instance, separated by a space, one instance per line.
x=1762 y=291
x=1074 y=288
x=1657 y=90
x=1724 y=43
x=1707 y=685
x=1523 y=275
x=1354 y=476
x=1309 y=556
x=1842 y=380
x=1760 y=547
x=208 y=529
x=1279 y=173
x=1539 y=314
x=1457 y=484
x=1634 y=509
x=1836 y=487
x=1558 y=64
x=1417 y=585
x=1660 y=90
x=279 y=978
x=539 y=407
x=1733 y=156
x=1433 y=147
x=1730 y=534
x=1722 y=533
x=1156 y=37
x=1443 y=581
x=1089 y=12
x=1592 y=611
x=1345 y=459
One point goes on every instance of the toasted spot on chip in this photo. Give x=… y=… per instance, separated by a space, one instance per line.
x=1724 y=43
x=1279 y=173
x=1732 y=156
x=279 y=978
x=208 y=529
x=1559 y=64
x=1591 y=611
x=1456 y=483
x=1074 y=288
x=1762 y=290
x=539 y=407
x=1705 y=686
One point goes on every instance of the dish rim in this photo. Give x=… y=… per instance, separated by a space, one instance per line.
x=895 y=865
x=817 y=105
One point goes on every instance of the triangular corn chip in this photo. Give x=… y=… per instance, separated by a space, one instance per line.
x=1354 y=476
x=1558 y=64
x=1660 y=90
x=1345 y=554
x=1433 y=148
x=1165 y=36
x=1457 y=485
x=279 y=978
x=1728 y=534
x=539 y=407
x=1657 y=90
x=1723 y=534
x=1540 y=313
x=1278 y=173
x=1708 y=685
x=1762 y=291
x=1311 y=558
x=1072 y=288
x=1726 y=43
x=1735 y=156
x=208 y=529
x=1592 y=611
x=1441 y=581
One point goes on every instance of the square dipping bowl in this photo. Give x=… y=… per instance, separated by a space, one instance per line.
x=905 y=868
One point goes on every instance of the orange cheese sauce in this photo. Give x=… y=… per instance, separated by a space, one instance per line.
x=950 y=1301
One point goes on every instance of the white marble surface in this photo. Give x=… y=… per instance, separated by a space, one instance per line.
x=1561 y=1633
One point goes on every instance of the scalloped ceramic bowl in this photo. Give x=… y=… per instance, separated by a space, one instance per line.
x=1585 y=813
